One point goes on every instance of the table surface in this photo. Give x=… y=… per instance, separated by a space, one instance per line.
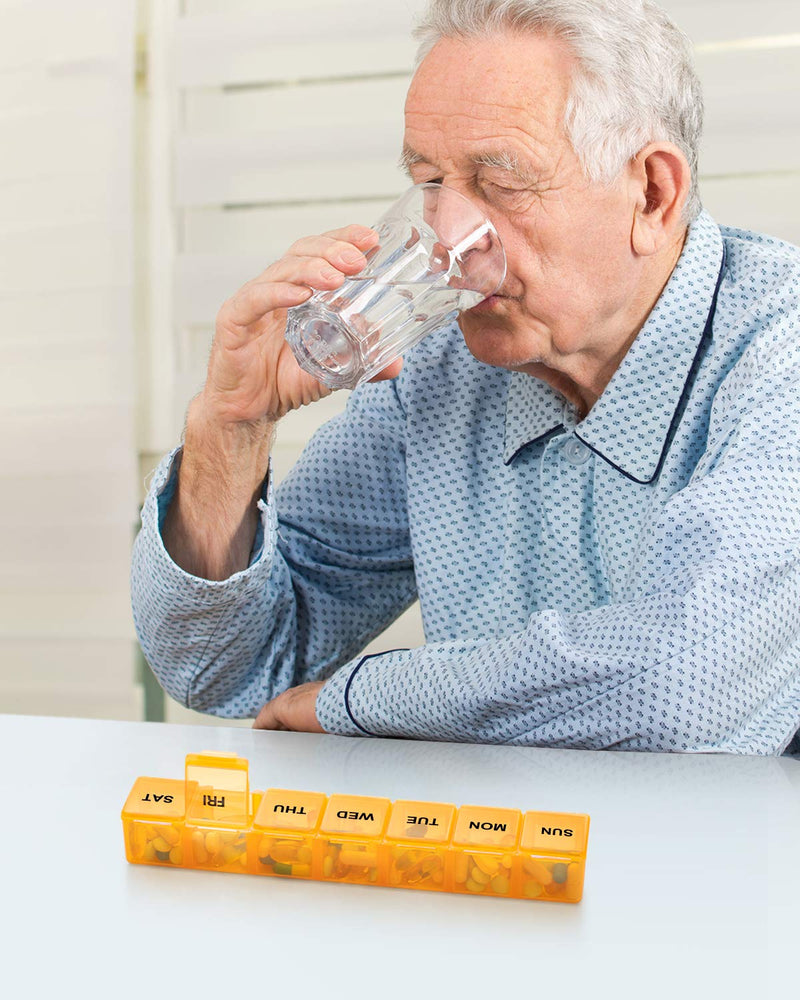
x=692 y=877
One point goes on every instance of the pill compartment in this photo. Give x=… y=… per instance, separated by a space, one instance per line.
x=552 y=856
x=415 y=845
x=347 y=846
x=153 y=822
x=483 y=851
x=218 y=812
x=282 y=841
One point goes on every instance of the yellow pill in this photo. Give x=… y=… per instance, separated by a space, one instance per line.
x=199 y=847
x=231 y=853
x=474 y=886
x=304 y=854
x=461 y=868
x=213 y=842
x=171 y=835
x=373 y=875
x=501 y=884
x=150 y=832
x=161 y=845
x=487 y=865
x=507 y=860
x=149 y=852
x=532 y=890
x=302 y=871
x=264 y=846
x=284 y=851
x=574 y=881
x=478 y=876
x=138 y=838
x=327 y=866
x=243 y=859
x=176 y=855
x=359 y=859
x=538 y=870
x=227 y=836
x=438 y=877
x=395 y=877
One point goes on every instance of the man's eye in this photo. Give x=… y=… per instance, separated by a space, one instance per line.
x=504 y=190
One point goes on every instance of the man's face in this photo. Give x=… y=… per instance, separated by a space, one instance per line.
x=476 y=107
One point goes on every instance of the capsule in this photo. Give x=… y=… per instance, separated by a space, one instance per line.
x=358 y=858
x=538 y=870
x=138 y=839
x=199 y=847
x=171 y=835
x=284 y=851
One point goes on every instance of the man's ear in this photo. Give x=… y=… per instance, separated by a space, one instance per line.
x=660 y=179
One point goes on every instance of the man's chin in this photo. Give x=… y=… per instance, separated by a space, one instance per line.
x=489 y=341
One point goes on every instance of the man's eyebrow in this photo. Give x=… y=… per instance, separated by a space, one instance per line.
x=408 y=158
x=501 y=159
x=504 y=159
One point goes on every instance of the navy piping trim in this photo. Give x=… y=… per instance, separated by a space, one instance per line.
x=702 y=347
x=361 y=662
x=542 y=437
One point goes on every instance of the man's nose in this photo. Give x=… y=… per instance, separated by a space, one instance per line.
x=450 y=218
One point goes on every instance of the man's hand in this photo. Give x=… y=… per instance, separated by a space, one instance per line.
x=293 y=710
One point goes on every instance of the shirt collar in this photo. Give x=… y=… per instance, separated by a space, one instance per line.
x=630 y=425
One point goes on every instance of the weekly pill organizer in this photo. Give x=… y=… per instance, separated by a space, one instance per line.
x=212 y=821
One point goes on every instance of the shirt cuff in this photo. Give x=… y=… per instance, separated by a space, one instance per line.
x=171 y=577
x=343 y=706
x=331 y=707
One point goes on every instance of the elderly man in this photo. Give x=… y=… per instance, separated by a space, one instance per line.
x=592 y=483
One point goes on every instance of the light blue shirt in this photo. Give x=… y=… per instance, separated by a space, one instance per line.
x=629 y=581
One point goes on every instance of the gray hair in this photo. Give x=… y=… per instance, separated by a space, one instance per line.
x=634 y=81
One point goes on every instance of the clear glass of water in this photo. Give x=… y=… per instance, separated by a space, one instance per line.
x=438 y=255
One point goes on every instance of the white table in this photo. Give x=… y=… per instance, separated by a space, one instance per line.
x=692 y=878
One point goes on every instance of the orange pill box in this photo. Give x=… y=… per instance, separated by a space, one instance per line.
x=211 y=820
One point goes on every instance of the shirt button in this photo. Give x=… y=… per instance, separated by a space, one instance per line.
x=575 y=452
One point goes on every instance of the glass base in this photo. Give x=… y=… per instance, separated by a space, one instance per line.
x=324 y=345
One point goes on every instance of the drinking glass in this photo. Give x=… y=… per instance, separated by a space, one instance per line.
x=438 y=255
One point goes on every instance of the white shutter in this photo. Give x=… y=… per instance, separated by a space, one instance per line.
x=67 y=452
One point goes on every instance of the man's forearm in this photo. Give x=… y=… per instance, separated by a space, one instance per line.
x=211 y=522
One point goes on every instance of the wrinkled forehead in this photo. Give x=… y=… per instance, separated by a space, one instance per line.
x=476 y=90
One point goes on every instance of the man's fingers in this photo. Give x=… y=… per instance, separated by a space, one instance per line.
x=313 y=263
x=315 y=272
x=342 y=255
x=362 y=236
x=252 y=302
x=266 y=718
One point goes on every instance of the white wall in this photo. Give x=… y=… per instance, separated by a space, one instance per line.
x=68 y=494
